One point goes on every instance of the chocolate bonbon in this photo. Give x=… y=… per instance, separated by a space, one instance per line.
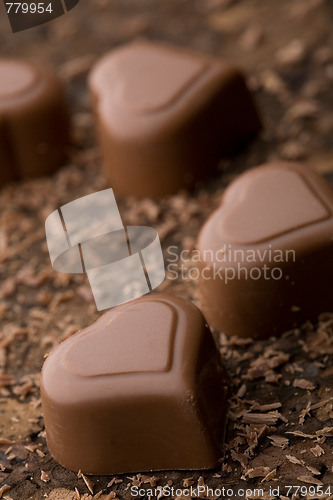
x=266 y=255
x=34 y=121
x=141 y=389
x=166 y=116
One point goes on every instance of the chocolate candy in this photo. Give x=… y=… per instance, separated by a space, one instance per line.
x=166 y=116
x=141 y=389
x=34 y=121
x=266 y=255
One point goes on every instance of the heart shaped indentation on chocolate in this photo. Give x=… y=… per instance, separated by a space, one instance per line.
x=137 y=338
x=269 y=203
x=150 y=78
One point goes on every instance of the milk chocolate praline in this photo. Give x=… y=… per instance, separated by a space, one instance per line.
x=34 y=121
x=141 y=389
x=166 y=116
x=266 y=255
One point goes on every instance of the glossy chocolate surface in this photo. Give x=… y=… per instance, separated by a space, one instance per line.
x=141 y=389
x=166 y=116
x=34 y=121
x=267 y=252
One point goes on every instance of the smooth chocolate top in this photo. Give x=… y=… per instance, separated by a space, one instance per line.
x=126 y=76
x=140 y=337
x=118 y=352
x=272 y=202
x=173 y=73
x=266 y=203
x=15 y=77
x=25 y=87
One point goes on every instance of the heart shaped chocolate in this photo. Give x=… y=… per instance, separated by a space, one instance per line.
x=141 y=389
x=167 y=116
x=163 y=77
x=269 y=204
x=110 y=350
x=34 y=121
x=265 y=251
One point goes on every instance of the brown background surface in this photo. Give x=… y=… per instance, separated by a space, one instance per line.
x=286 y=49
